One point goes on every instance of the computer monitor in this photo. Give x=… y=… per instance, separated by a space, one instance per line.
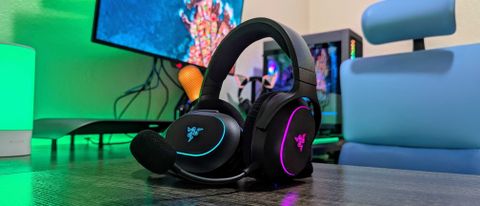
x=186 y=31
x=329 y=50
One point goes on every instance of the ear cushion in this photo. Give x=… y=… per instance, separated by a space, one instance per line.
x=247 y=134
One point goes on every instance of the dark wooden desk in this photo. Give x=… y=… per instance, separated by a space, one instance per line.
x=124 y=182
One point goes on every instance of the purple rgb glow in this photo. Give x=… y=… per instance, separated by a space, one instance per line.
x=300 y=139
x=285 y=137
x=290 y=199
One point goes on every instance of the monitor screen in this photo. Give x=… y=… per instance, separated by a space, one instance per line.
x=183 y=30
x=327 y=62
x=327 y=57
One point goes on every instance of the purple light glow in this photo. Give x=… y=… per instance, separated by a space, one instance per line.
x=300 y=139
x=285 y=137
x=290 y=199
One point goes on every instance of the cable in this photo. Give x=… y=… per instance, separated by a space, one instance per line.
x=167 y=93
x=136 y=91
x=146 y=86
x=116 y=102
x=129 y=103
x=149 y=89
x=125 y=108
x=109 y=143
x=206 y=180
x=168 y=75
x=149 y=104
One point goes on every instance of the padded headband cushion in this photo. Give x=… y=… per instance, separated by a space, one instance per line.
x=396 y=20
x=240 y=38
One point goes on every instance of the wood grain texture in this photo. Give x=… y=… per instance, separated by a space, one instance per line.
x=116 y=179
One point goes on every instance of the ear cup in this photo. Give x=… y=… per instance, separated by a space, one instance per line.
x=247 y=133
x=204 y=140
x=284 y=148
x=222 y=107
x=235 y=164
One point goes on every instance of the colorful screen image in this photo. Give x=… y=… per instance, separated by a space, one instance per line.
x=184 y=30
x=327 y=65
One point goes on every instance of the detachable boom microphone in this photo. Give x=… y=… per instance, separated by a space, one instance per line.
x=153 y=152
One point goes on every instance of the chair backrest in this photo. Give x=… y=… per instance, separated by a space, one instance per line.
x=396 y=20
x=419 y=99
x=417 y=110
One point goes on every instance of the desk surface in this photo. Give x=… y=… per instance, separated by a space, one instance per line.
x=124 y=182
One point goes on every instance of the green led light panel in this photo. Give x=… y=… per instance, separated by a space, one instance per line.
x=330 y=140
x=17 y=74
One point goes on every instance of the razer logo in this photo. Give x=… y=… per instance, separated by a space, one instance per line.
x=193 y=132
x=300 y=139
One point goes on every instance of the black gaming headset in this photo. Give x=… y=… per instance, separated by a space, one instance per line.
x=213 y=145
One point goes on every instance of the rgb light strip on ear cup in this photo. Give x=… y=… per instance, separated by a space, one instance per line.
x=285 y=137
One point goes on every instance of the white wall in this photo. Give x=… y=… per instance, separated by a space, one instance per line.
x=328 y=15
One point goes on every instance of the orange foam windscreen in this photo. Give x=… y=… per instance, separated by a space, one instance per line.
x=191 y=80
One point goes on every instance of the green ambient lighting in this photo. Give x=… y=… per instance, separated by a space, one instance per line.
x=16 y=189
x=329 y=140
x=17 y=73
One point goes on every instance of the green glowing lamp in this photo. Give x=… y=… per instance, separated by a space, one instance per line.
x=17 y=74
x=325 y=140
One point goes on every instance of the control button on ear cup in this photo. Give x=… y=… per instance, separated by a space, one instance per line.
x=247 y=133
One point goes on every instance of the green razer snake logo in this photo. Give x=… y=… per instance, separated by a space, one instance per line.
x=193 y=132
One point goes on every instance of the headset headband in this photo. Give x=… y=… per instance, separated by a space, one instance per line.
x=245 y=34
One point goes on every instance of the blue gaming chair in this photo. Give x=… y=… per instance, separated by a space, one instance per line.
x=418 y=110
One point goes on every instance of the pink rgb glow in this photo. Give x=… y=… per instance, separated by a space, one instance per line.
x=285 y=137
x=290 y=199
x=300 y=139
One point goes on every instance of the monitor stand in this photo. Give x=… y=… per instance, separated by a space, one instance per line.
x=55 y=128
